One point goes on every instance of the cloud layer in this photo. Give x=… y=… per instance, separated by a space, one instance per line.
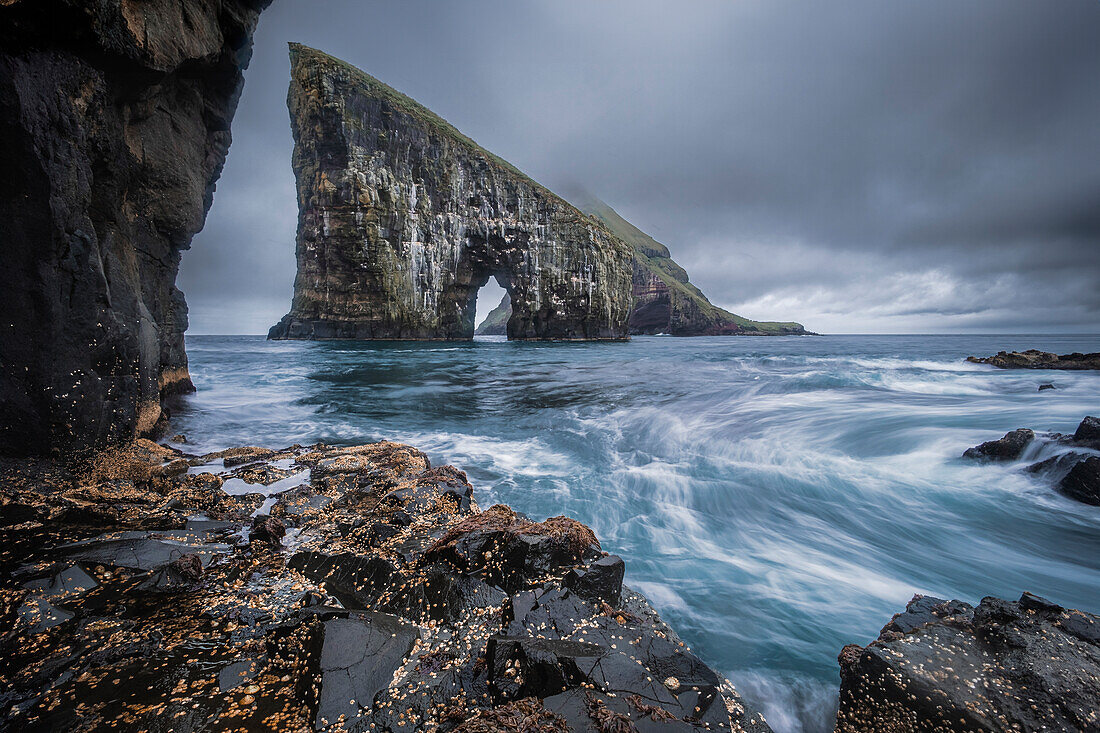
x=858 y=166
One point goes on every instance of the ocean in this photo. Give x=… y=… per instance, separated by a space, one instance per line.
x=775 y=498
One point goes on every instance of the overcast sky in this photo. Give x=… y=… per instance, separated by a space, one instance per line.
x=859 y=166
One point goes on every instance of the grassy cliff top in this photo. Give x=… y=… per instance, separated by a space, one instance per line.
x=301 y=55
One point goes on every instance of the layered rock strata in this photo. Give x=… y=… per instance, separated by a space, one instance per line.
x=402 y=219
x=115 y=121
x=1035 y=359
x=947 y=666
x=321 y=588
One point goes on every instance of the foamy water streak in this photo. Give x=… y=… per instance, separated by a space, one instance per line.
x=776 y=498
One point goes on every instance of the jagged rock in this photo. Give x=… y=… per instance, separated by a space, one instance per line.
x=402 y=219
x=115 y=119
x=1088 y=430
x=358 y=658
x=512 y=551
x=947 y=666
x=1044 y=387
x=602 y=580
x=180 y=626
x=268 y=530
x=1082 y=483
x=1008 y=448
x=1034 y=359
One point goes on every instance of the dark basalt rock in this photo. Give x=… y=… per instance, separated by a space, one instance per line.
x=1088 y=430
x=403 y=607
x=402 y=219
x=115 y=119
x=947 y=666
x=1034 y=359
x=1082 y=483
x=1045 y=387
x=268 y=530
x=1008 y=448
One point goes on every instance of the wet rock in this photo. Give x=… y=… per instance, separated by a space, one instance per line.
x=1008 y=448
x=514 y=552
x=1034 y=359
x=358 y=581
x=521 y=716
x=602 y=580
x=942 y=665
x=142 y=550
x=358 y=658
x=70 y=581
x=406 y=176
x=1044 y=387
x=1082 y=483
x=1088 y=430
x=179 y=575
x=267 y=530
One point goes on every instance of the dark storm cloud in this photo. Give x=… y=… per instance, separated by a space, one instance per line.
x=858 y=165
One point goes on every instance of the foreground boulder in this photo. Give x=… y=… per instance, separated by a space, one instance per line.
x=115 y=121
x=947 y=666
x=1034 y=359
x=345 y=589
x=1083 y=481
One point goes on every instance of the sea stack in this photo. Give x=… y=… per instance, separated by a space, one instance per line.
x=402 y=219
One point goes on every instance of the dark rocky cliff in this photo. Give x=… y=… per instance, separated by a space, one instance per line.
x=114 y=117
x=496 y=323
x=402 y=219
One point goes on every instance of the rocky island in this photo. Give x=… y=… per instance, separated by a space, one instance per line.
x=402 y=219
x=1035 y=359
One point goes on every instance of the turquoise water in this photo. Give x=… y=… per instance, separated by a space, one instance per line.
x=776 y=498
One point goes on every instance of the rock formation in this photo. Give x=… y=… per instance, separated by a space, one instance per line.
x=114 y=117
x=948 y=666
x=373 y=595
x=664 y=300
x=496 y=323
x=402 y=219
x=1035 y=359
x=1071 y=463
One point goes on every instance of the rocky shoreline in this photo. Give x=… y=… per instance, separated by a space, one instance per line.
x=360 y=588
x=322 y=588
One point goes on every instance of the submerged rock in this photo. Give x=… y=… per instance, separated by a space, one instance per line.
x=948 y=666
x=116 y=122
x=402 y=219
x=1034 y=359
x=1008 y=448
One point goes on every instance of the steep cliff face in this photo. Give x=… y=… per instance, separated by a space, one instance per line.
x=114 y=117
x=496 y=323
x=664 y=299
x=402 y=219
